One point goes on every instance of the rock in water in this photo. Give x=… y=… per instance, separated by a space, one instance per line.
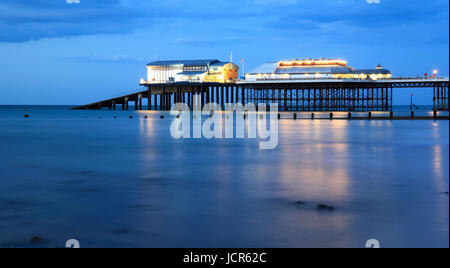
x=36 y=239
x=300 y=203
x=324 y=207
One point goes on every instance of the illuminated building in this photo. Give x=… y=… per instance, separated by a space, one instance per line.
x=314 y=69
x=191 y=71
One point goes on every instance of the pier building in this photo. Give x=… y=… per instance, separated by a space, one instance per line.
x=314 y=69
x=191 y=71
x=295 y=85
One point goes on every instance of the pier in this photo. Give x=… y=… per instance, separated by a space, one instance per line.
x=291 y=95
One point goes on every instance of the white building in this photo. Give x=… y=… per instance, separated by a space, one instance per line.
x=314 y=69
x=162 y=72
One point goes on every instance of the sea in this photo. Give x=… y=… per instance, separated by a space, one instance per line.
x=119 y=179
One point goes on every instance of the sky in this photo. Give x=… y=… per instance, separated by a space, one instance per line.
x=57 y=53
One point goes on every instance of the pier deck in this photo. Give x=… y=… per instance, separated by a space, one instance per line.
x=308 y=95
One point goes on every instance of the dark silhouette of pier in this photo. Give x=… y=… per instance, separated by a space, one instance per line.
x=307 y=95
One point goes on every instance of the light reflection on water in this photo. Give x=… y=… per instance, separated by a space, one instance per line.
x=126 y=182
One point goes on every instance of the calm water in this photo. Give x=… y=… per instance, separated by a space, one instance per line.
x=126 y=183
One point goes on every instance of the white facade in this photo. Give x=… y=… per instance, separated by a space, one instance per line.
x=163 y=74
x=193 y=78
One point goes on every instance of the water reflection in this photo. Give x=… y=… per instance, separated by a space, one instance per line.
x=127 y=182
x=231 y=191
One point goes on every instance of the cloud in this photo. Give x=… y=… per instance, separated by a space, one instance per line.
x=112 y=59
x=25 y=20
x=360 y=14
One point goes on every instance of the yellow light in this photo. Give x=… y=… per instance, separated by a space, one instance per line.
x=435 y=72
x=312 y=62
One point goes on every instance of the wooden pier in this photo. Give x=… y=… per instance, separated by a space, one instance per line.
x=309 y=95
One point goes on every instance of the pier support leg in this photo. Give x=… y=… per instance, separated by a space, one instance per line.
x=222 y=100
x=434 y=98
x=202 y=97
x=217 y=97
x=227 y=96
x=168 y=102
x=163 y=99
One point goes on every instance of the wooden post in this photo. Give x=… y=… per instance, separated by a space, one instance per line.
x=221 y=97
x=163 y=99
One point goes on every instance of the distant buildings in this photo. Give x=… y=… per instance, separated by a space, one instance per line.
x=193 y=71
x=214 y=71
x=314 y=69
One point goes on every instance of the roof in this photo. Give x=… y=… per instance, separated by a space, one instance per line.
x=274 y=68
x=335 y=69
x=266 y=68
x=220 y=64
x=185 y=63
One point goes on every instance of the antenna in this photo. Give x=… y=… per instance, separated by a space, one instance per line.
x=231 y=57
x=156 y=58
x=243 y=66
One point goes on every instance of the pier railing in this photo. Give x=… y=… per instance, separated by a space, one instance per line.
x=417 y=78
x=126 y=93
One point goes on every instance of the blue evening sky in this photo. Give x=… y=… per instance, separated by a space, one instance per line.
x=52 y=52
